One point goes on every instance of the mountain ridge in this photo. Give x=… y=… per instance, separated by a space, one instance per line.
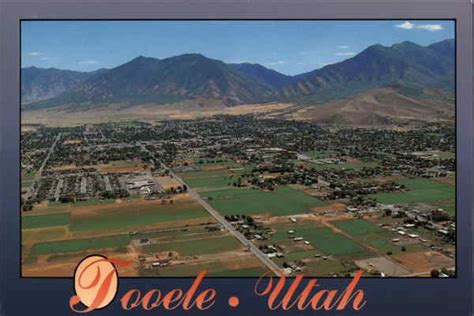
x=197 y=77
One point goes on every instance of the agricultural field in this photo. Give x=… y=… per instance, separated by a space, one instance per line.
x=282 y=201
x=418 y=190
x=215 y=182
x=176 y=197
x=377 y=238
x=193 y=250
x=131 y=216
x=322 y=251
x=340 y=247
x=60 y=233
x=40 y=221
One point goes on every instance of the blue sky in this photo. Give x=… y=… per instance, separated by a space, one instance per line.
x=290 y=47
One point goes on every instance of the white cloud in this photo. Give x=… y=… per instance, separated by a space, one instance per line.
x=430 y=27
x=427 y=27
x=34 y=54
x=345 y=54
x=344 y=47
x=406 y=25
x=88 y=62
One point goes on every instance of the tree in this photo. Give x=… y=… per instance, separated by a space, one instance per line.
x=434 y=273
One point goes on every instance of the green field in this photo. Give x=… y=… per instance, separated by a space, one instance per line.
x=322 y=239
x=331 y=243
x=48 y=220
x=328 y=267
x=214 y=269
x=282 y=201
x=205 y=174
x=27 y=179
x=358 y=227
x=27 y=176
x=320 y=154
x=385 y=245
x=377 y=237
x=180 y=235
x=43 y=234
x=135 y=216
x=215 y=162
x=447 y=205
x=246 y=272
x=76 y=245
x=197 y=246
x=419 y=190
x=93 y=202
x=342 y=165
x=215 y=182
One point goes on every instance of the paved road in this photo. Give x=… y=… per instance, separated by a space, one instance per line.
x=31 y=191
x=259 y=254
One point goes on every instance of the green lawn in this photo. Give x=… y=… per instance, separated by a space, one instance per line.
x=282 y=201
x=76 y=245
x=419 y=190
x=48 y=220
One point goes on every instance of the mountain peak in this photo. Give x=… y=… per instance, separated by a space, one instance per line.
x=405 y=45
x=141 y=58
x=192 y=56
x=445 y=47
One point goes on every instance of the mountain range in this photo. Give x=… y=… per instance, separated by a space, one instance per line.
x=406 y=68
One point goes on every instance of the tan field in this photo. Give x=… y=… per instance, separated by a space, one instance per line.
x=167 y=182
x=146 y=112
x=418 y=262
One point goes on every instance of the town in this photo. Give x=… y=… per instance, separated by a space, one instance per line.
x=239 y=196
